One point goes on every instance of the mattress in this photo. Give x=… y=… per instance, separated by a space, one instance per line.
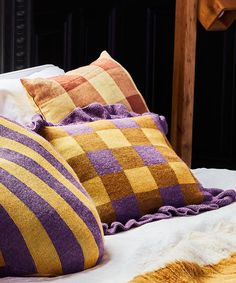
x=204 y=238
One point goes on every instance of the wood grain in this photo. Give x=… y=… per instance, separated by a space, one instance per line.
x=216 y=15
x=183 y=78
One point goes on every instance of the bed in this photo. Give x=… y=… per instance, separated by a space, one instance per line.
x=190 y=248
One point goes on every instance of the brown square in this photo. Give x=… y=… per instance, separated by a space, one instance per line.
x=163 y=175
x=145 y=122
x=135 y=136
x=117 y=185
x=137 y=103
x=83 y=94
x=90 y=142
x=69 y=82
x=192 y=193
x=168 y=153
x=106 y=213
x=82 y=167
x=149 y=202
x=51 y=133
x=127 y=157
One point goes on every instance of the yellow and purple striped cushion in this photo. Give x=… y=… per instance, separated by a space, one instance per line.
x=48 y=223
x=104 y=81
x=126 y=165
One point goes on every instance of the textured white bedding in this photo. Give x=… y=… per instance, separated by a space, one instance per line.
x=14 y=103
x=205 y=238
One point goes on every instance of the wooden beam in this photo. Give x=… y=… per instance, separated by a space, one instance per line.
x=183 y=78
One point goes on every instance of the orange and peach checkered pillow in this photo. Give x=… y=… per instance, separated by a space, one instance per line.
x=104 y=81
x=126 y=165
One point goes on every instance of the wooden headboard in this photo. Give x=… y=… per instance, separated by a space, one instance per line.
x=35 y=32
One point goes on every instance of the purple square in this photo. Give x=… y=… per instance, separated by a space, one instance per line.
x=125 y=123
x=77 y=129
x=149 y=155
x=104 y=162
x=172 y=196
x=126 y=208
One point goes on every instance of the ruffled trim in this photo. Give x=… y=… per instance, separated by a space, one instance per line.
x=94 y=112
x=219 y=199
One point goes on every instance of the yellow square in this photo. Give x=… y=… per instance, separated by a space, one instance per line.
x=97 y=191
x=155 y=136
x=62 y=106
x=107 y=88
x=141 y=179
x=182 y=172
x=113 y=138
x=67 y=146
x=102 y=125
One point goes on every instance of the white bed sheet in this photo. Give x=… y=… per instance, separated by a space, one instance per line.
x=204 y=238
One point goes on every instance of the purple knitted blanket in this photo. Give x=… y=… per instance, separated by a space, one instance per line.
x=217 y=197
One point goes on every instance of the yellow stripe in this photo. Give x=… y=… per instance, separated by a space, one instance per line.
x=2 y=262
x=18 y=147
x=40 y=140
x=33 y=233
x=7 y=143
x=68 y=215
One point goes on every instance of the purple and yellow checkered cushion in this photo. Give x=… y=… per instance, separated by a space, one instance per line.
x=126 y=165
x=104 y=81
x=48 y=223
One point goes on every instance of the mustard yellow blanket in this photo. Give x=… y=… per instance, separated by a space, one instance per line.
x=188 y=272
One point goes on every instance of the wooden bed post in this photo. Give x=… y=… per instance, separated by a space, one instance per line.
x=183 y=78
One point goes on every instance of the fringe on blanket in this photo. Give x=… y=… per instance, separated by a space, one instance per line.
x=189 y=272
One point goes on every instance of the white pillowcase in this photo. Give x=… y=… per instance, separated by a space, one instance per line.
x=14 y=103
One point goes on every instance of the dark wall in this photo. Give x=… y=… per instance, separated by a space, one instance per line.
x=34 y=32
x=75 y=35
x=214 y=132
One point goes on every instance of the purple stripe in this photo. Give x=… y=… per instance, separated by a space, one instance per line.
x=67 y=247
x=23 y=139
x=78 y=206
x=15 y=252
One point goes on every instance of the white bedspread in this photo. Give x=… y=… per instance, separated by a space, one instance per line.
x=205 y=238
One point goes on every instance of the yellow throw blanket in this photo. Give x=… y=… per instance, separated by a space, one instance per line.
x=189 y=272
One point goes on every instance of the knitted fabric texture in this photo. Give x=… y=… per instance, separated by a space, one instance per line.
x=49 y=225
x=130 y=170
x=104 y=81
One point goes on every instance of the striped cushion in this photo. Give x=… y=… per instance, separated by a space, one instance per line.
x=126 y=165
x=104 y=81
x=48 y=223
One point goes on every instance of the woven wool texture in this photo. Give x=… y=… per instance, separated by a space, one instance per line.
x=126 y=165
x=48 y=223
x=104 y=81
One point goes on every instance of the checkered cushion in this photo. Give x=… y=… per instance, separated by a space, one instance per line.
x=104 y=81
x=126 y=165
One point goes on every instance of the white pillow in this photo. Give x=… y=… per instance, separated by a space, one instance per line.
x=14 y=103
